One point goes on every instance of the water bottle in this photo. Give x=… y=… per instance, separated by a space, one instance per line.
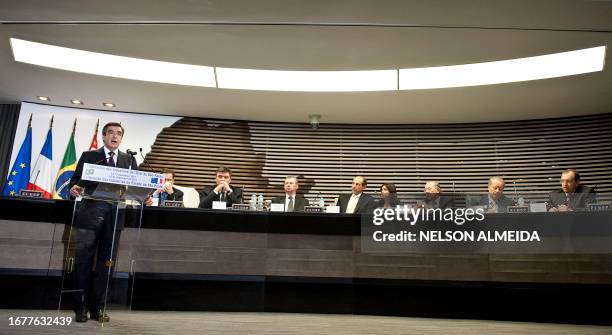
x=260 y=202
x=321 y=201
x=253 y=201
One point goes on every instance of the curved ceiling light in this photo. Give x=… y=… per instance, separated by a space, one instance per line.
x=506 y=71
x=111 y=65
x=498 y=72
x=307 y=81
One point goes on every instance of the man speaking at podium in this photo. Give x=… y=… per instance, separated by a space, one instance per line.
x=94 y=227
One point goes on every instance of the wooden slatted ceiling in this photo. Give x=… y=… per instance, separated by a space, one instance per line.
x=529 y=154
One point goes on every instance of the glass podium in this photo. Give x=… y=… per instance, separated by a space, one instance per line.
x=95 y=264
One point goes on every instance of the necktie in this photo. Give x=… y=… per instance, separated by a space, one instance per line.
x=111 y=161
x=290 y=205
x=492 y=207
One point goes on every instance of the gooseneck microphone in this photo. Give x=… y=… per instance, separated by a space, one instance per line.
x=144 y=161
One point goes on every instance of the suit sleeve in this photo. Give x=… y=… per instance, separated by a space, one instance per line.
x=368 y=206
x=591 y=197
x=177 y=195
x=342 y=203
x=78 y=172
x=298 y=206
x=235 y=197
x=207 y=197
x=552 y=202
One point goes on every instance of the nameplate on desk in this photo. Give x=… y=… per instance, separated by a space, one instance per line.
x=598 y=207
x=219 y=205
x=277 y=207
x=241 y=207
x=31 y=194
x=172 y=203
x=313 y=209
x=119 y=176
x=518 y=209
x=332 y=209
x=536 y=207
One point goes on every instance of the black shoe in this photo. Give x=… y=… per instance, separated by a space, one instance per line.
x=81 y=314
x=98 y=315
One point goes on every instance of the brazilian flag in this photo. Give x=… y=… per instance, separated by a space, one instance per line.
x=62 y=181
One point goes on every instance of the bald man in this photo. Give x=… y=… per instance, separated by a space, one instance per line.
x=434 y=197
x=495 y=200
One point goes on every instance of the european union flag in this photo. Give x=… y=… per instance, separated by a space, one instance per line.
x=19 y=175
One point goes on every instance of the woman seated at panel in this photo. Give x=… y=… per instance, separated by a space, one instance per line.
x=388 y=196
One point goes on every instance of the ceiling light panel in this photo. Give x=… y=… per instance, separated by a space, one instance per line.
x=506 y=71
x=111 y=65
x=307 y=81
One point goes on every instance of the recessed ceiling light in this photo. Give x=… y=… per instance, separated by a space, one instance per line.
x=111 y=65
x=76 y=102
x=505 y=71
x=108 y=104
x=40 y=97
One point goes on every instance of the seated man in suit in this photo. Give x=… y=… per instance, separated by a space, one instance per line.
x=292 y=201
x=434 y=197
x=168 y=191
x=572 y=195
x=357 y=202
x=495 y=200
x=222 y=191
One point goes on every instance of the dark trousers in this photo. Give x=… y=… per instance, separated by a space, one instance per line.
x=96 y=234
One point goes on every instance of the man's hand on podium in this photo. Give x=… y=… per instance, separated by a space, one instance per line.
x=76 y=191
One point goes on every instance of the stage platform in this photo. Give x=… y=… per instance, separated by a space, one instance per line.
x=210 y=323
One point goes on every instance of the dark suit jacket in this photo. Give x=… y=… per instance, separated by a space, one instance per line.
x=99 y=157
x=177 y=195
x=578 y=200
x=364 y=205
x=299 y=202
x=89 y=213
x=502 y=203
x=207 y=196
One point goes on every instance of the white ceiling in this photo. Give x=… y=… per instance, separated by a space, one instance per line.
x=313 y=35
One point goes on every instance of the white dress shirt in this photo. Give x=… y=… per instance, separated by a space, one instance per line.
x=350 y=207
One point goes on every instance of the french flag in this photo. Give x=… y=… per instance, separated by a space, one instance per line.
x=40 y=177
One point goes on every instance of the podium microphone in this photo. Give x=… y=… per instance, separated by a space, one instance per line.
x=144 y=161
